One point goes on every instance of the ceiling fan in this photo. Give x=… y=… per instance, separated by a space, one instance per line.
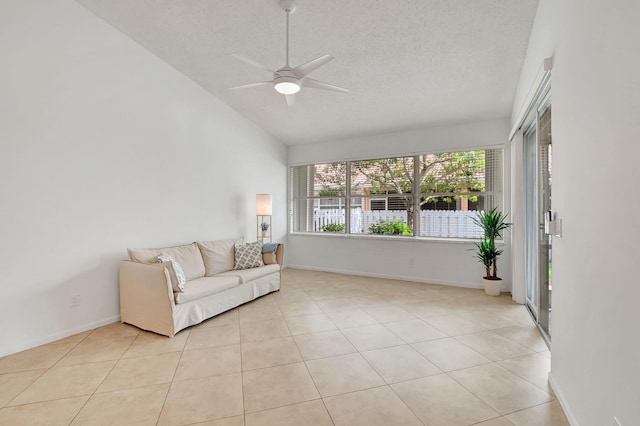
x=287 y=80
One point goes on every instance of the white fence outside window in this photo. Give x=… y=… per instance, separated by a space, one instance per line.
x=433 y=223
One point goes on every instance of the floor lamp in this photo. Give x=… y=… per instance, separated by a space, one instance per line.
x=263 y=217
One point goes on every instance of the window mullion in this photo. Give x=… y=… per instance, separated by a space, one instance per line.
x=416 y=196
x=347 y=199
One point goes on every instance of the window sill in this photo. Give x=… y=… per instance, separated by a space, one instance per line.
x=391 y=238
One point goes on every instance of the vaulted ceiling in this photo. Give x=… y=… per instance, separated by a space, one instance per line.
x=407 y=63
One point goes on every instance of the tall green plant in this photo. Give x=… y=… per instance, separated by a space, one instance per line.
x=487 y=254
x=493 y=222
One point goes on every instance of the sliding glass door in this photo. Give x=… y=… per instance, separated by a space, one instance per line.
x=538 y=211
x=531 y=217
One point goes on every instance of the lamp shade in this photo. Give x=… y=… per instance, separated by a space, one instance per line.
x=263 y=204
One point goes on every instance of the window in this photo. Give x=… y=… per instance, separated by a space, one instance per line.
x=425 y=195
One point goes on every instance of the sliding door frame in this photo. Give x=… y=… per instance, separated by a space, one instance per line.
x=532 y=209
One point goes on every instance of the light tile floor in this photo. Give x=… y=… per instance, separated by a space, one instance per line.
x=328 y=349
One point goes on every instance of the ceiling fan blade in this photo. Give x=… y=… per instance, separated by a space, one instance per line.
x=307 y=68
x=250 y=85
x=291 y=99
x=315 y=84
x=251 y=62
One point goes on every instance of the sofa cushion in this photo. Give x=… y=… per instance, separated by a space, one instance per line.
x=175 y=271
x=219 y=255
x=188 y=256
x=247 y=275
x=205 y=286
x=248 y=256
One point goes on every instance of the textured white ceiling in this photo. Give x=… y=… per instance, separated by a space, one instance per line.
x=407 y=63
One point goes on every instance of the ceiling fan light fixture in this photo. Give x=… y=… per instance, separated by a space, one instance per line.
x=287 y=85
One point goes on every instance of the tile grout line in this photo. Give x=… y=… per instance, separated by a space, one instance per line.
x=244 y=405
x=55 y=365
x=388 y=385
x=23 y=389
x=405 y=404
x=105 y=376
x=371 y=366
x=483 y=401
x=533 y=406
x=164 y=402
x=553 y=396
x=315 y=385
x=410 y=346
x=470 y=391
x=493 y=418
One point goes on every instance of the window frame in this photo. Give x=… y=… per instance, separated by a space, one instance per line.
x=499 y=176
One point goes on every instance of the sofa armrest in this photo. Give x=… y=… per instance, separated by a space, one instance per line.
x=280 y=254
x=146 y=297
x=271 y=258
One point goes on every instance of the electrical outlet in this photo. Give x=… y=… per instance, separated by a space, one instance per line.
x=616 y=422
x=75 y=300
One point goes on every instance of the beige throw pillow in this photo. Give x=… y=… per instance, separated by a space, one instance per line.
x=188 y=256
x=219 y=255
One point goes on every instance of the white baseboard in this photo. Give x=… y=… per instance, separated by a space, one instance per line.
x=57 y=336
x=386 y=276
x=571 y=418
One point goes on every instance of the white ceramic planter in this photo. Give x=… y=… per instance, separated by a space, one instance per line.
x=492 y=287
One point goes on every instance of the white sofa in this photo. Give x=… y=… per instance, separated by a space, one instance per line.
x=148 y=299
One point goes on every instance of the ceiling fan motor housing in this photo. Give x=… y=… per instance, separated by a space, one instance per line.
x=289 y=5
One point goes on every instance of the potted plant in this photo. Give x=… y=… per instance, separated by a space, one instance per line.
x=264 y=227
x=493 y=222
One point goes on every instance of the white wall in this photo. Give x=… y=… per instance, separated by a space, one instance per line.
x=441 y=262
x=518 y=287
x=596 y=296
x=432 y=139
x=104 y=147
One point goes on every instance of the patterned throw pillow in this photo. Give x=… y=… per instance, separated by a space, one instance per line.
x=178 y=279
x=248 y=255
